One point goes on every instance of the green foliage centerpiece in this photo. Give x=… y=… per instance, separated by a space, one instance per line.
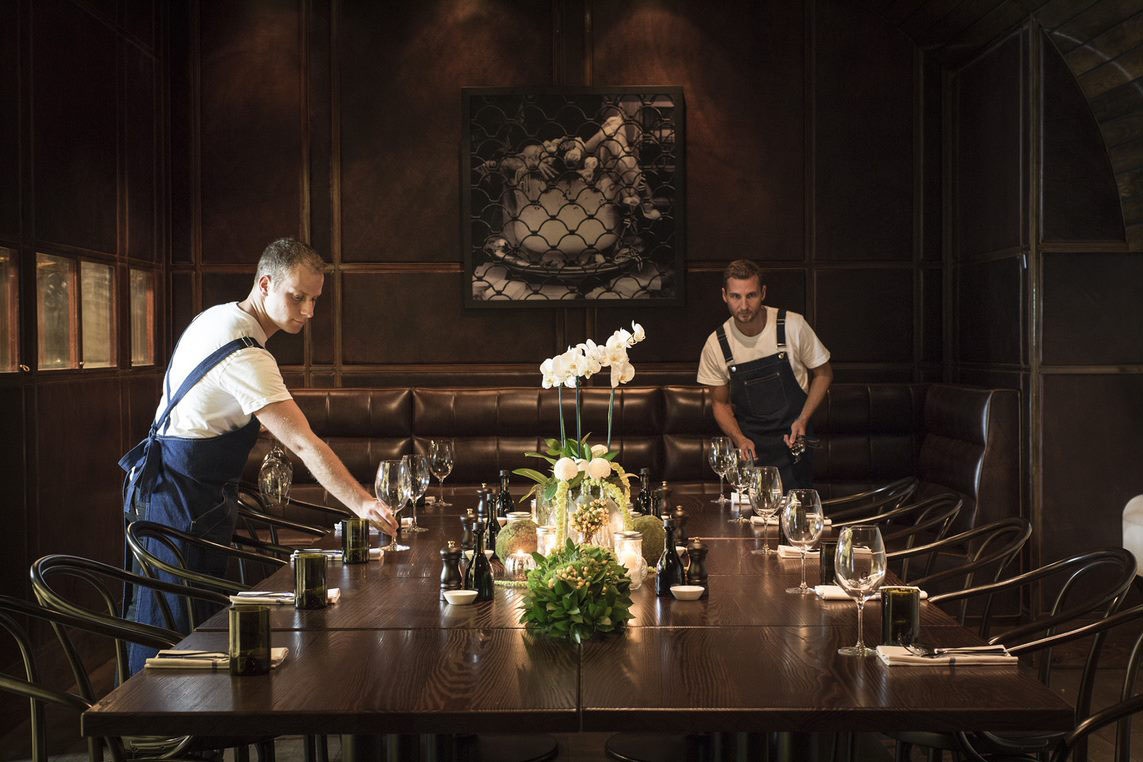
x=577 y=592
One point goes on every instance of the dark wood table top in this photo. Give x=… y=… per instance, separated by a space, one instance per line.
x=390 y=656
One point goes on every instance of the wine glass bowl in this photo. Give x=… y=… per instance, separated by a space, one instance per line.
x=743 y=472
x=387 y=487
x=802 y=523
x=415 y=476
x=718 y=447
x=765 y=493
x=441 y=459
x=859 y=565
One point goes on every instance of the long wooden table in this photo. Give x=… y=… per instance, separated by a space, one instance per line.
x=391 y=657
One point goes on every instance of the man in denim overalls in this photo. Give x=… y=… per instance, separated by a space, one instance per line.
x=768 y=372
x=221 y=385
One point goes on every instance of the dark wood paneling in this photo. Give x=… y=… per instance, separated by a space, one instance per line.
x=141 y=395
x=1085 y=487
x=844 y=375
x=988 y=152
x=863 y=136
x=932 y=168
x=14 y=472
x=288 y=349
x=250 y=126
x=80 y=485
x=1080 y=199
x=182 y=302
x=140 y=112
x=990 y=311
x=10 y=122
x=866 y=315
x=1093 y=308
x=181 y=126
x=74 y=139
x=745 y=105
x=932 y=315
x=138 y=20
x=409 y=318
x=1105 y=47
x=400 y=75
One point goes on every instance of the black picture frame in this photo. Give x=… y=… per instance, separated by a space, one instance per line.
x=573 y=196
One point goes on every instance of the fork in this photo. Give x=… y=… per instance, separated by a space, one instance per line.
x=922 y=649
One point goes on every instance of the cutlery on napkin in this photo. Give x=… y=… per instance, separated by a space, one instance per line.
x=773 y=521
x=333 y=595
x=789 y=551
x=335 y=555
x=835 y=593
x=173 y=658
x=896 y=656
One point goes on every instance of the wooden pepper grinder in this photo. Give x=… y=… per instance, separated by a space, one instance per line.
x=696 y=574
x=680 y=518
x=450 y=570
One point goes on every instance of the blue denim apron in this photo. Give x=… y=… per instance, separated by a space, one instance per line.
x=186 y=484
x=767 y=399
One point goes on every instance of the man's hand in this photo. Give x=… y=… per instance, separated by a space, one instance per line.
x=797 y=429
x=747 y=446
x=380 y=515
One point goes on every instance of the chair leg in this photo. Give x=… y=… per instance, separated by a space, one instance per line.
x=310 y=744
x=265 y=751
x=241 y=754
x=904 y=751
x=323 y=748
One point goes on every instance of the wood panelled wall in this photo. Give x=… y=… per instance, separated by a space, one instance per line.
x=81 y=175
x=1048 y=299
x=813 y=147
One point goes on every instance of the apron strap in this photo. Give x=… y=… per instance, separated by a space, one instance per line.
x=727 y=355
x=781 y=330
x=196 y=375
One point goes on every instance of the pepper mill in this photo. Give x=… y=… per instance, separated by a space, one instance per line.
x=467 y=541
x=661 y=502
x=680 y=519
x=450 y=571
x=696 y=574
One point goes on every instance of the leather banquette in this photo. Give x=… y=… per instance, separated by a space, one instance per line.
x=951 y=437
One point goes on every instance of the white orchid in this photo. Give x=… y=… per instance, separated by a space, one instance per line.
x=565 y=469
x=637 y=334
x=588 y=359
x=554 y=371
x=599 y=468
x=621 y=373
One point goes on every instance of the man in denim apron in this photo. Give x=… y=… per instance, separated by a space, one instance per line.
x=768 y=371
x=220 y=386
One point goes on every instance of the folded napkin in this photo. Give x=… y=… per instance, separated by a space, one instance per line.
x=773 y=520
x=897 y=656
x=835 y=593
x=790 y=551
x=375 y=554
x=213 y=660
x=278 y=599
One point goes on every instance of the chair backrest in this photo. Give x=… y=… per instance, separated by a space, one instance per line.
x=925 y=520
x=861 y=505
x=984 y=550
x=53 y=582
x=176 y=542
x=255 y=524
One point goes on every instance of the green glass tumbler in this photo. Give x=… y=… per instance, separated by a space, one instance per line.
x=827 y=558
x=249 y=641
x=354 y=541
x=309 y=580
x=900 y=615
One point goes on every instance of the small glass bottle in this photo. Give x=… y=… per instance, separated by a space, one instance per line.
x=643 y=499
x=481 y=570
x=670 y=567
x=505 y=504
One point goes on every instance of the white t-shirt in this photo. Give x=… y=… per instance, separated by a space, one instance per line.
x=805 y=349
x=245 y=381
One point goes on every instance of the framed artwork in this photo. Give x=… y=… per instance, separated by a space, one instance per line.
x=573 y=195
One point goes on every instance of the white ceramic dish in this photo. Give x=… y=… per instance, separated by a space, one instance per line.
x=687 y=592
x=460 y=597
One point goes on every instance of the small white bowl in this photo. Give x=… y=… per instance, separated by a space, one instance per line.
x=684 y=592
x=460 y=597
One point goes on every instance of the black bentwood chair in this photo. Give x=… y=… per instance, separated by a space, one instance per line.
x=927 y=520
x=260 y=532
x=984 y=551
x=863 y=505
x=88 y=593
x=1081 y=587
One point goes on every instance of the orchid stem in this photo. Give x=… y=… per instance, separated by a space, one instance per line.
x=560 y=401
x=578 y=416
x=610 y=408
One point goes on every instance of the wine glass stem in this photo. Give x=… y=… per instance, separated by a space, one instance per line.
x=720 y=497
x=803 y=586
x=860 y=629
x=440 y=481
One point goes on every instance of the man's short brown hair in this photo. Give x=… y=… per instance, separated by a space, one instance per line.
x=742 y=269
x=285 y=255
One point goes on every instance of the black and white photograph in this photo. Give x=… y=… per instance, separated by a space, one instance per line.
x=573 y=195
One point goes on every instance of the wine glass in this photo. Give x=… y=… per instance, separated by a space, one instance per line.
x=741 y=475
x=765 y=493
x=441 y=455
x=387 y=487
x=802 y=523
x=415 y=479
x=727 y=463
x=718 y=447
x=860 y=567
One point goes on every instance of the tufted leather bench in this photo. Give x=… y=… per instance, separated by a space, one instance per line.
x=951 y=437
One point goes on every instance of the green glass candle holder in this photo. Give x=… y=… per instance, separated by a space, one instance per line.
x=249 y=640
x=309 y=580
x=827 y=558
x=354 y=541
x=900 y=615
